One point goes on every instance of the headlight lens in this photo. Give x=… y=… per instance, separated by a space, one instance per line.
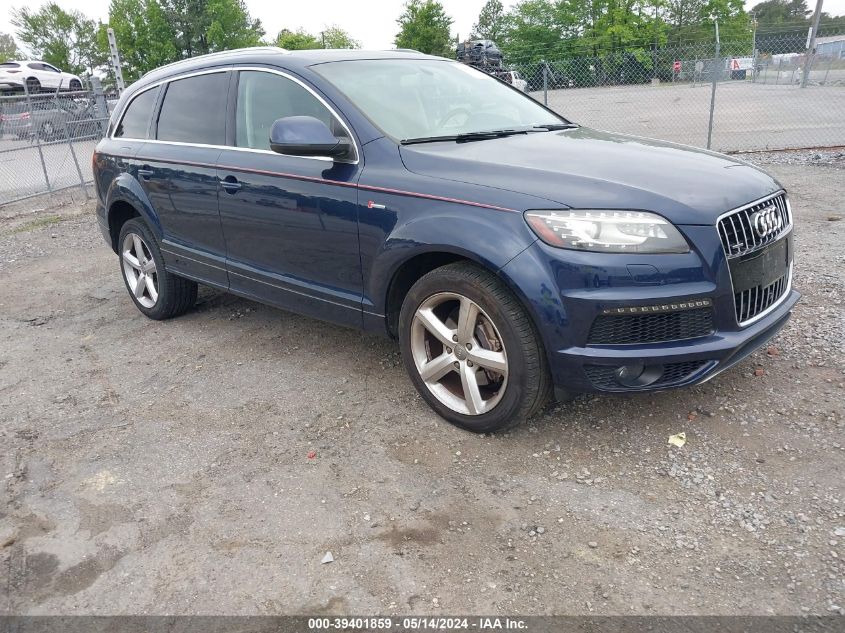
x=607 y=231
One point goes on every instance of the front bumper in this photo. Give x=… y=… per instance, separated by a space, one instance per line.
x=567 y=290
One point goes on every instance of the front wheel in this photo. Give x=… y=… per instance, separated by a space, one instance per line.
x=471 y=350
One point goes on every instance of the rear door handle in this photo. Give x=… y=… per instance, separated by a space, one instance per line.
x=230 y=184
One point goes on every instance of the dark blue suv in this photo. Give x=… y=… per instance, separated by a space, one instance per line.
x=510 y=251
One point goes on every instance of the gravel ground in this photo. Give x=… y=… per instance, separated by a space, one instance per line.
x=207 y=464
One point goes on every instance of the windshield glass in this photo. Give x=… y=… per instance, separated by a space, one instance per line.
x=410 y=99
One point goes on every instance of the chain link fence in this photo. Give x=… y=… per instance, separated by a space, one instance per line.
x=47 y=140
x=732 y=98
x=757 y=98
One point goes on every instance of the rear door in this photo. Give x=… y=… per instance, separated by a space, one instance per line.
x=178 y=171
x=290 y=223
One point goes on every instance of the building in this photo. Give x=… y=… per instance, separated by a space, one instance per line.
x=833 y=46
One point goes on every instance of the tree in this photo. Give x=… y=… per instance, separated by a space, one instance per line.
x=297 y=40
x=207 y=26
x=336 y=37
x=490 y=21
x=66 y=39
x=332 y=37
x=424 y=26
x=145 y=38
x=8 y=48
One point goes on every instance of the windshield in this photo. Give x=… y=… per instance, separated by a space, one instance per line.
x=411 y=99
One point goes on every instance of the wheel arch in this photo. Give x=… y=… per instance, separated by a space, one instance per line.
x=126 y=199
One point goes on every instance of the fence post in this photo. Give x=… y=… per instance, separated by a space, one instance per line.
x=713 y=88
x=69 y=138
x=37 y=140
x=102 y=106
x=545 y=83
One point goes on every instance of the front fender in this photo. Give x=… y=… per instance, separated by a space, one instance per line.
x=126 y=188
x=487 y=237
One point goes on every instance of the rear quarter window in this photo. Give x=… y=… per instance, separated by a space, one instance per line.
x=136 y=119
x=194 y=110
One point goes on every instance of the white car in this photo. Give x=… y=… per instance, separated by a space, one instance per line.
x=37 y=75
x=512 y=77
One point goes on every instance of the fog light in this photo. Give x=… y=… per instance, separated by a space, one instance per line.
x=638 y=374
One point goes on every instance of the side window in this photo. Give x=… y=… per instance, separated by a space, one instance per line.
x=264 y=97
x=136 y=119
x=194 y=110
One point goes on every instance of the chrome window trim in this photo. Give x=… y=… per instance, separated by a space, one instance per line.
x=226 y=69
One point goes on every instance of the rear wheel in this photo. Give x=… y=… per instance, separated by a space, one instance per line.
x=155 y=292
x=33 y=86
x=471 y=349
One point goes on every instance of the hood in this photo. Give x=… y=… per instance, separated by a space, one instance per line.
x=585 y=168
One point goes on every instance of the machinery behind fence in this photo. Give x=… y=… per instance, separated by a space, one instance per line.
x=732 y=97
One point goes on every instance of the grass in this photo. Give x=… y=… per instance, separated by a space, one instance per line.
x=38 y=223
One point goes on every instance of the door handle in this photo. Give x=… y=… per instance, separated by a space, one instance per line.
x=230 y=184
x=145 y=173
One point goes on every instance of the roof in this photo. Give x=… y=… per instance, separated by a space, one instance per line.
x=830 y=39
x=273 y=54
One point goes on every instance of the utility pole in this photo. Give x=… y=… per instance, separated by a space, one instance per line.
x=716 y=71
x=811 y=43
x=114 y=60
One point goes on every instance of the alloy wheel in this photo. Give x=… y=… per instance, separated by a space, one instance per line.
x=459 y=353
x=139 y=269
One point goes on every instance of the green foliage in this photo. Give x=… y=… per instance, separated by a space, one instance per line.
x=151 y=33
x=297 y=40
x=336 y=37
x=424 y=26
x=207 y=26
x=332 y=37
x=8 y=48
x=534 y=30
x=145 y=38
x=490 y=21
x=66 y=39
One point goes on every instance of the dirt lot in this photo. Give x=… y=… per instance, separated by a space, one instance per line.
x=163 y=467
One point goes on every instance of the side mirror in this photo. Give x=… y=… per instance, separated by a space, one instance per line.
x=307 y=136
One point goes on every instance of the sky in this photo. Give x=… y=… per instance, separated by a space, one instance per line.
x=372 y=22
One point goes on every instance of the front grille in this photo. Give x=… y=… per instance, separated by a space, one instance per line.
x=603 y=376
x=631 y=329
x=749 y=303
x=737 y=232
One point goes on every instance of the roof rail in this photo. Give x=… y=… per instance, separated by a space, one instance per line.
x=176 y=64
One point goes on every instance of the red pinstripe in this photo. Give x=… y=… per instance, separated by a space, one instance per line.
x=398 y=192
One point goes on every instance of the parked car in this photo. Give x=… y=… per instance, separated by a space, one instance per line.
x=37 y=76
x=52 y=119
x=513 y=78
x=479 y=53
x=510 y=251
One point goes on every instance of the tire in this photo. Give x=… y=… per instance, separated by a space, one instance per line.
x=47 y=131
x=75 y=85
x=33 y=86
x=500 y=335
x=163 y=294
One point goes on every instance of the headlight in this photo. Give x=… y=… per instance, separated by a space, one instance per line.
x=607 y=231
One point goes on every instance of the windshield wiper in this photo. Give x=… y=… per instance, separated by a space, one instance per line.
x=553 y=127
x=467 y=136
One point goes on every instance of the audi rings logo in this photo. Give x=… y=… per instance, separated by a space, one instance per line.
x=766 y=221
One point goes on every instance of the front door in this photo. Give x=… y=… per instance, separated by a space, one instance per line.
x=290 y=223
